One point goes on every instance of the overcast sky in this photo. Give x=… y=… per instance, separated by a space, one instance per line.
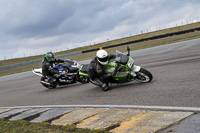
x=30 y=27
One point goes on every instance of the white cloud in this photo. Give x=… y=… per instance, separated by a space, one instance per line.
x=43 y=25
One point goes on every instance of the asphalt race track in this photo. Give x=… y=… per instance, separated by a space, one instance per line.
x=176 y=83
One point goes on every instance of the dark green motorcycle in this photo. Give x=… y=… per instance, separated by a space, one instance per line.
x=125 y=72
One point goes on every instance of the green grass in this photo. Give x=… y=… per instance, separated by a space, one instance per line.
x=22 y=126
x=135 y=46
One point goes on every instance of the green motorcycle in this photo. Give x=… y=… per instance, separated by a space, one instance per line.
x=124 y=69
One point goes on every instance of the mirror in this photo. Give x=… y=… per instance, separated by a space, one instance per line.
x=128 y=49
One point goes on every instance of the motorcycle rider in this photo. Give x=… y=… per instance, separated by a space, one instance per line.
x=96 y=68
x=48 y=67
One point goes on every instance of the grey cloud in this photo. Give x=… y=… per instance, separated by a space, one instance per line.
x=44 y=17
x=45 y=24
x=33 y=18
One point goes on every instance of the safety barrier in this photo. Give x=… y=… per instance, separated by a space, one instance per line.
x=146 y=39
x=36 y=61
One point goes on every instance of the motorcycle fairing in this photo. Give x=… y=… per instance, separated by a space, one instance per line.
x=124 y=74
x=38 y=72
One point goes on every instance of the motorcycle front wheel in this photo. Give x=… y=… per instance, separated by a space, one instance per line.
x=143 y=76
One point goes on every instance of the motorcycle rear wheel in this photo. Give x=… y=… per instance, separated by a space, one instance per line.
x=84 y=80
x=50 y=87
x=54 y=85
x=143 y=76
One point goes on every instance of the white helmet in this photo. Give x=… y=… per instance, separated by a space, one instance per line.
x=102 y=57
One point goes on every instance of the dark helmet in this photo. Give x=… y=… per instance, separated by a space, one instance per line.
x=50 y=56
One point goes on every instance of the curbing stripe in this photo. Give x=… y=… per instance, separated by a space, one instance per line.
x=4 y=110
x=29 y=113
x=167 y=108
x=77 y=116
x=149 y=122
x=12 y=112
x=53 y=113
x=108 y=119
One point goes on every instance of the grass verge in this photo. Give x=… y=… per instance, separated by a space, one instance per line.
x=22 y=126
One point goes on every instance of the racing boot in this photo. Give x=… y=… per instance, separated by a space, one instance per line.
x=102 y=84
x=105 y=87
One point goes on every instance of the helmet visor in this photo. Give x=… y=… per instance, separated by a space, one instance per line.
x=105 y=59
x=52 y=58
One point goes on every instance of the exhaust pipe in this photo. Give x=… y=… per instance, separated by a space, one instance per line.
x=65 y=81
x=46 y=83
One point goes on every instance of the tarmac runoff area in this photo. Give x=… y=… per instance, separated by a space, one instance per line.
x=116 y=119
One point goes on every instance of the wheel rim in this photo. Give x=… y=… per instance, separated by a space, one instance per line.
x=142 y=77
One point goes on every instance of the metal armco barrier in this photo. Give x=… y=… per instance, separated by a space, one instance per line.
x=146 y=39
x=36 y=61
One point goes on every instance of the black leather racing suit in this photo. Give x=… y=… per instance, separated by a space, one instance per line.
x=96 y=71
x=48 y=68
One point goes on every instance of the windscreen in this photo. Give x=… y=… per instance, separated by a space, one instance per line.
x=121 y=57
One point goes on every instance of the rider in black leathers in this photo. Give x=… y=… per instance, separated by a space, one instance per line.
x=48 y=67
x=96 y=68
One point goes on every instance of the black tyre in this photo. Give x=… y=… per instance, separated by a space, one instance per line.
x=84 y=79
x=52 y=86
x=143 y=76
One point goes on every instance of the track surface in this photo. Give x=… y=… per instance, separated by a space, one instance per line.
x=176 y=83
